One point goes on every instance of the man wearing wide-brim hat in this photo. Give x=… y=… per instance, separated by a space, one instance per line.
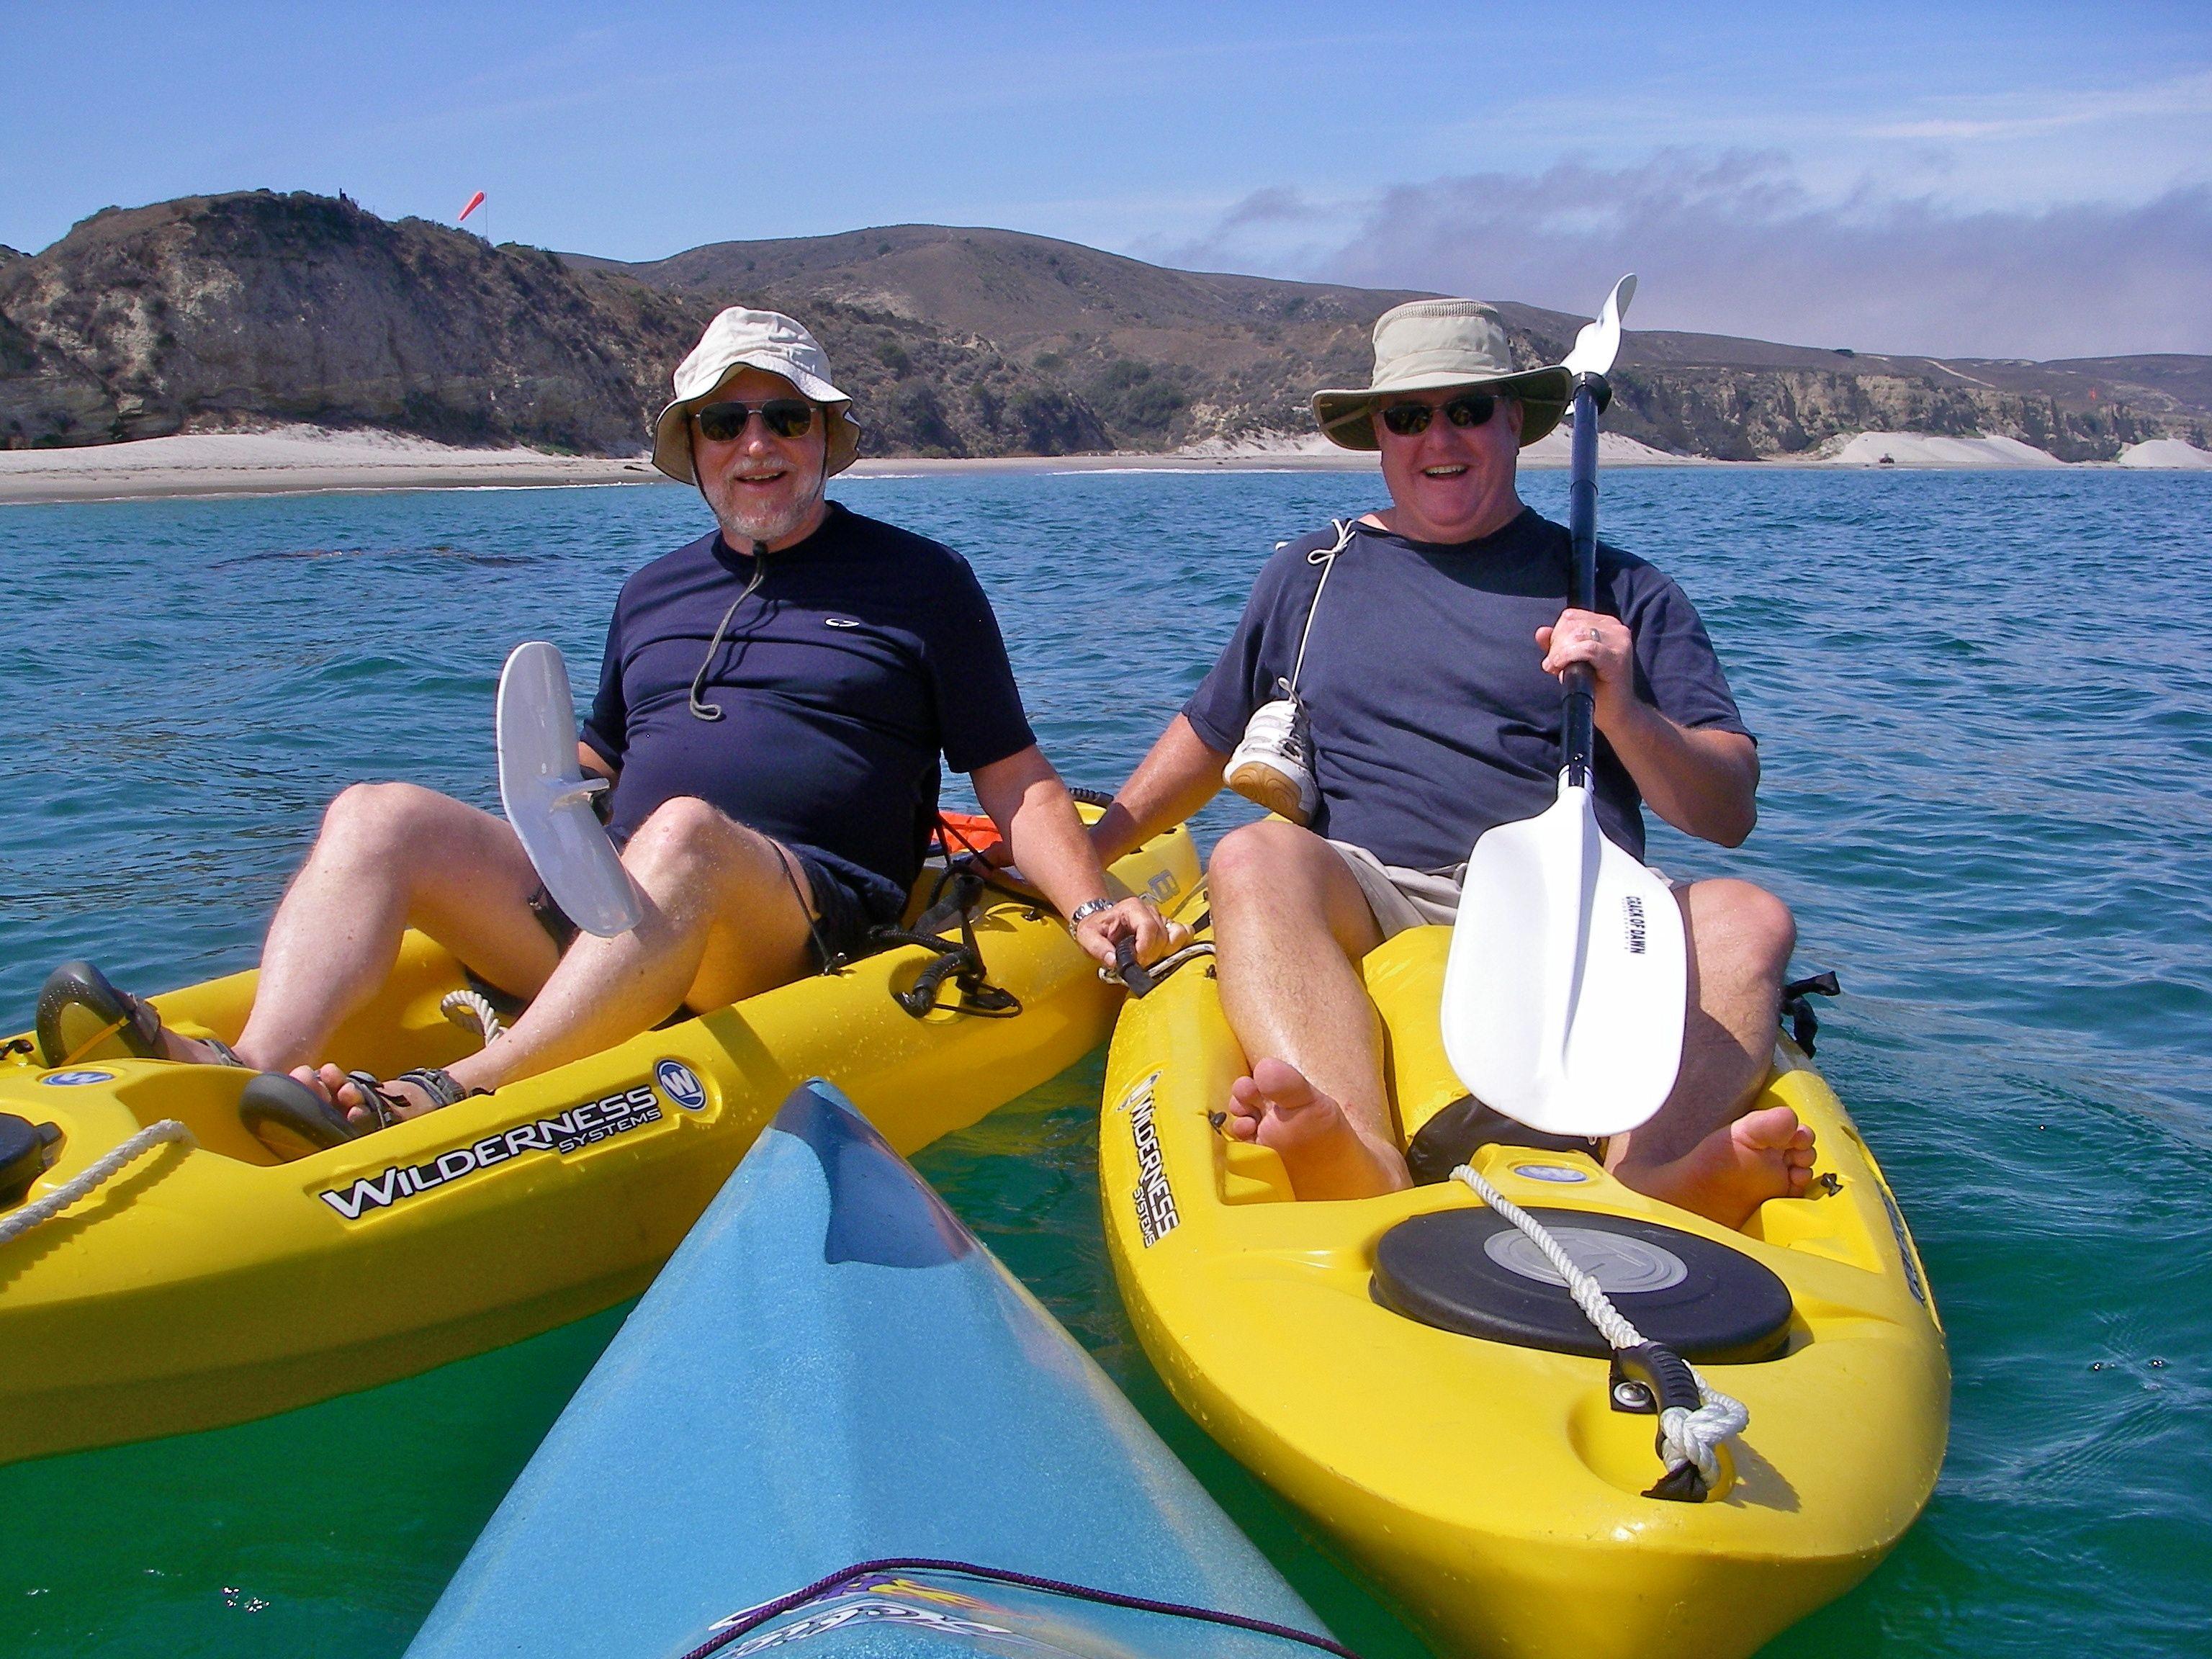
x=774 y=705
x=1392 y=692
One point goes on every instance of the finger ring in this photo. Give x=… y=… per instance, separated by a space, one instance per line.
x=1592 y=636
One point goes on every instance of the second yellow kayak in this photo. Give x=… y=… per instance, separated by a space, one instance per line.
x=207 y=1282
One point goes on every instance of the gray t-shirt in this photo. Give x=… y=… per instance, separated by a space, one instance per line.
x=1433 y=717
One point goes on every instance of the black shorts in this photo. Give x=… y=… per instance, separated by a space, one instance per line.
x=840 y=918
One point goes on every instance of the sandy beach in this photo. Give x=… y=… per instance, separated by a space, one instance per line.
x=291 y=460
x=306 y=460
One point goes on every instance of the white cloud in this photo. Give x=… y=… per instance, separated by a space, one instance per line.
x=1735 y=244
x=2026 y=114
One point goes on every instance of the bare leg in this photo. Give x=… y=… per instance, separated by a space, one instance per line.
x=1701 y=1151
x=1291 y=925
x=722 y=923
x=389 y=856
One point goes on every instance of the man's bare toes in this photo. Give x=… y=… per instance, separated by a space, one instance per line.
x=1774 y=1130
x=1283 y=1086
x=1247 y=1106
x=314 y=1079
x=1246 y=1102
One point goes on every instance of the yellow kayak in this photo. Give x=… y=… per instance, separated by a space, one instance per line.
x=210 y=1281
x=1493 y=1489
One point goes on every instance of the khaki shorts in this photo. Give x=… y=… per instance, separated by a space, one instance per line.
x=1402 y=898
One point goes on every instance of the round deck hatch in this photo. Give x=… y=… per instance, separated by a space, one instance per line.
x=1473 y=1272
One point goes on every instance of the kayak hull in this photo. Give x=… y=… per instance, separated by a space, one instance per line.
x=832 y=1370
x=1490 y=1488
x=214 y=1284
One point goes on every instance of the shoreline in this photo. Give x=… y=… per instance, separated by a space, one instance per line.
x=306 y=460
x=289 y=461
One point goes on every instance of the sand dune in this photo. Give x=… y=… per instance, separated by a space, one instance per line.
x=2173 y=453
x=1556 y=448
x=1917 y=449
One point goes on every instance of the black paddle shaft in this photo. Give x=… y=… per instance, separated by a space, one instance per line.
x=1577 y=737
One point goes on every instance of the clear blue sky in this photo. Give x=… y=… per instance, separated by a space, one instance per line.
x=1995 y=178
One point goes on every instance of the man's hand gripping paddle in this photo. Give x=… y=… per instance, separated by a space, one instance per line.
x=1564 y=993
x=549 y=799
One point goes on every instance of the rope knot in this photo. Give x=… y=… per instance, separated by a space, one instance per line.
x=1687 y=1439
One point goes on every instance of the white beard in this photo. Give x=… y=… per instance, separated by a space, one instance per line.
x=742 y=525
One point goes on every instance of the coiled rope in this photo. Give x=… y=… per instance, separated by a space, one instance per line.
x=472 y=1008
x=1687 y=1438
x=104 y=1168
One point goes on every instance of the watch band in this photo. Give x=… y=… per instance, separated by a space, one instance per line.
x=1086 y=910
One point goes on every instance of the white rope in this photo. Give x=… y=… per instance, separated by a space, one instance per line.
x=21 y=1221
x=466 y=1008
x=1326 y=558
x=1686 y=1437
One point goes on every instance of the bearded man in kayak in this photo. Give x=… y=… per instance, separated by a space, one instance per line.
x=1392 y=692
x=774 y=703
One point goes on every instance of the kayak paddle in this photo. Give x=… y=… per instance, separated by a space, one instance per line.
x=1563 y=991
x=549 y=799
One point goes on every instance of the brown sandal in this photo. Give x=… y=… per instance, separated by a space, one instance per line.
x=293 y=1120
x=80 y=1008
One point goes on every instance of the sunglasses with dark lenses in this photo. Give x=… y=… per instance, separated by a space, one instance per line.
x=787 y=417
x=1410 y=420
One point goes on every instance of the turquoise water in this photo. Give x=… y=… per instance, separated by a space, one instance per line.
x=1986 y=715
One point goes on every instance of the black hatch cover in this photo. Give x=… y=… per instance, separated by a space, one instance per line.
x=1473 y=1272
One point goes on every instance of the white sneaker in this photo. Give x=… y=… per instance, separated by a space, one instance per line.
x=1273 y=766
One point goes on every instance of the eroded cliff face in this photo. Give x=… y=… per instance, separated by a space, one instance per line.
x=1738 y=414
x=214 y=311
x=1665 y=397
x=252 y=308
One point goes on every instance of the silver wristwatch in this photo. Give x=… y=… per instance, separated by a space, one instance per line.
x=1086 y=910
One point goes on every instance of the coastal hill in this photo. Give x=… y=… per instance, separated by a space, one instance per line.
x=1171 y=356
x=230 y=311
x=1163 y=356
x=253 y=307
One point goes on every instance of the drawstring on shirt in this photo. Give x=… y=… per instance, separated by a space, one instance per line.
x=707 y=711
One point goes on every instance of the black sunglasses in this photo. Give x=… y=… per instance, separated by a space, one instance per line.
x=1410 y=420
x=787 y=417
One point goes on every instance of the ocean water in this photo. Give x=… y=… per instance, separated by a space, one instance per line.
x=1985 y=708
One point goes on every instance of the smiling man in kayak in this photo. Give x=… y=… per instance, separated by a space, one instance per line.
x=773 y=704
x=1392 y=692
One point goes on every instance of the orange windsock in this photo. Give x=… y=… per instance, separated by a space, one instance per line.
x=475 y=202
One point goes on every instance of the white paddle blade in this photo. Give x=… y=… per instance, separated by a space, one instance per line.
x=548 y=798
x=1598 y=343
x=1564 y=993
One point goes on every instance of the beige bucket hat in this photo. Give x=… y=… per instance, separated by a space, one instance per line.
x=738 y=339
x=1426 y=345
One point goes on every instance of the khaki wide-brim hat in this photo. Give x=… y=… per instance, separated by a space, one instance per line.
x=1426 y=345
x=741 y=339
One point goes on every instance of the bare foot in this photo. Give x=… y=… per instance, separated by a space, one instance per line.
x=342 y=1091
x=1726 y=1176
x=1322 y=1149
